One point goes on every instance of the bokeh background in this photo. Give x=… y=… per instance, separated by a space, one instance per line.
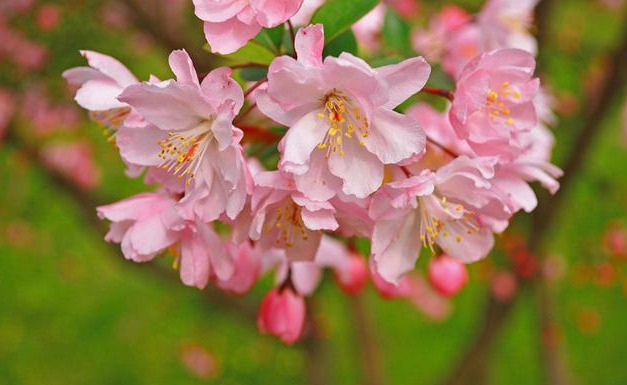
x=73 y=311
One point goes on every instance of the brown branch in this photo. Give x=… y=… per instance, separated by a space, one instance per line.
x=372 y=371
x=439 y=92
x=316 y=349
x=473 y=365
x=87 y=206
x=151 y=25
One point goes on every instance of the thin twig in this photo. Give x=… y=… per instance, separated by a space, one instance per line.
x=248 y=65
x=439 y=92
x=255 y=86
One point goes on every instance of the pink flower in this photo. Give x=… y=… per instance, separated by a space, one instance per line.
x=100 y=84
x=462 y=45
x=306 y=11
x=48 y=17
x=282 y=314
x=506 y=24
x=230 y=24
x=447 y=275
x=432 y=42
x=368 y=29
x=429 y=302
x=493 y=103
x=75 y=161
x=191 y=135
x=149 y=223
x=342 y=127
x=453 y=208
x=248 y=264
x=284 y=218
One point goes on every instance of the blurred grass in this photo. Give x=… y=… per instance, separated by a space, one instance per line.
x=71 y=312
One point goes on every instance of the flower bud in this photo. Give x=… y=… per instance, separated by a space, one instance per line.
x=353 y=278
x=282 y=313
x=447 y=275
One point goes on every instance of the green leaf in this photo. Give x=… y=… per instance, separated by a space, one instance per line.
x=396 y=33
x=252 y=52
x=253 y=74
x=338 y=16
x=271 y=38
x=345 y=42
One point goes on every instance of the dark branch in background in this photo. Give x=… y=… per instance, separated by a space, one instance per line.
x=372 y=372
x=150 y=22
x=473 y=366
x=318 y=366
x=87 y=206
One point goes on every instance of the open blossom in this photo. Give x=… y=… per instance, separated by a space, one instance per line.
x=149 y=223
x=493 y=103
x=507 y=24
x=285 y=218
x=342 y=126
x=282 y=314
x=453 y=208
x=230 y=24
x=100 y=85
x=191 y=135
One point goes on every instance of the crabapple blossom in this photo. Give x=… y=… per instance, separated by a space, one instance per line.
x=192 y=136
x=493 y=103
x=285 y=218
x=342 y=126
x=447 y=207
x=149 y=223
x=100 y=84
x=230 y=24
x=506 y=24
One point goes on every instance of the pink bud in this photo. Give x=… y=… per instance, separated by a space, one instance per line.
x=389 y=290
x=353 y=279
x=447 y=275
x=282 y=313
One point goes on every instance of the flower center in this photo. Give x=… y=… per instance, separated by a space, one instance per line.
x=289 y=224
x=437 y=214
x=345 y=121
x=496 y=103
x=182 y=151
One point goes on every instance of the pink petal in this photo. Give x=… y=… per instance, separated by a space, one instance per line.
x=405 y=79
x=309 y=45
x=182 y=66
x=218 y=10
x=271 y=13
x=301 y=139
x=360 y=170
x=110 y=67
x=229 y=36
x=169 y=106
x=394 y=137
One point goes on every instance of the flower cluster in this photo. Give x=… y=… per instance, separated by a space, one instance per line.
x=350 y=163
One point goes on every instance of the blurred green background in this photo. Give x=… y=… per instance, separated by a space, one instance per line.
x=72 y=311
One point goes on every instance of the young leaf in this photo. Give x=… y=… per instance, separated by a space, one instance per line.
x=271 y=38
x=345 y=42
x=339 y=15
x=252 y=52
